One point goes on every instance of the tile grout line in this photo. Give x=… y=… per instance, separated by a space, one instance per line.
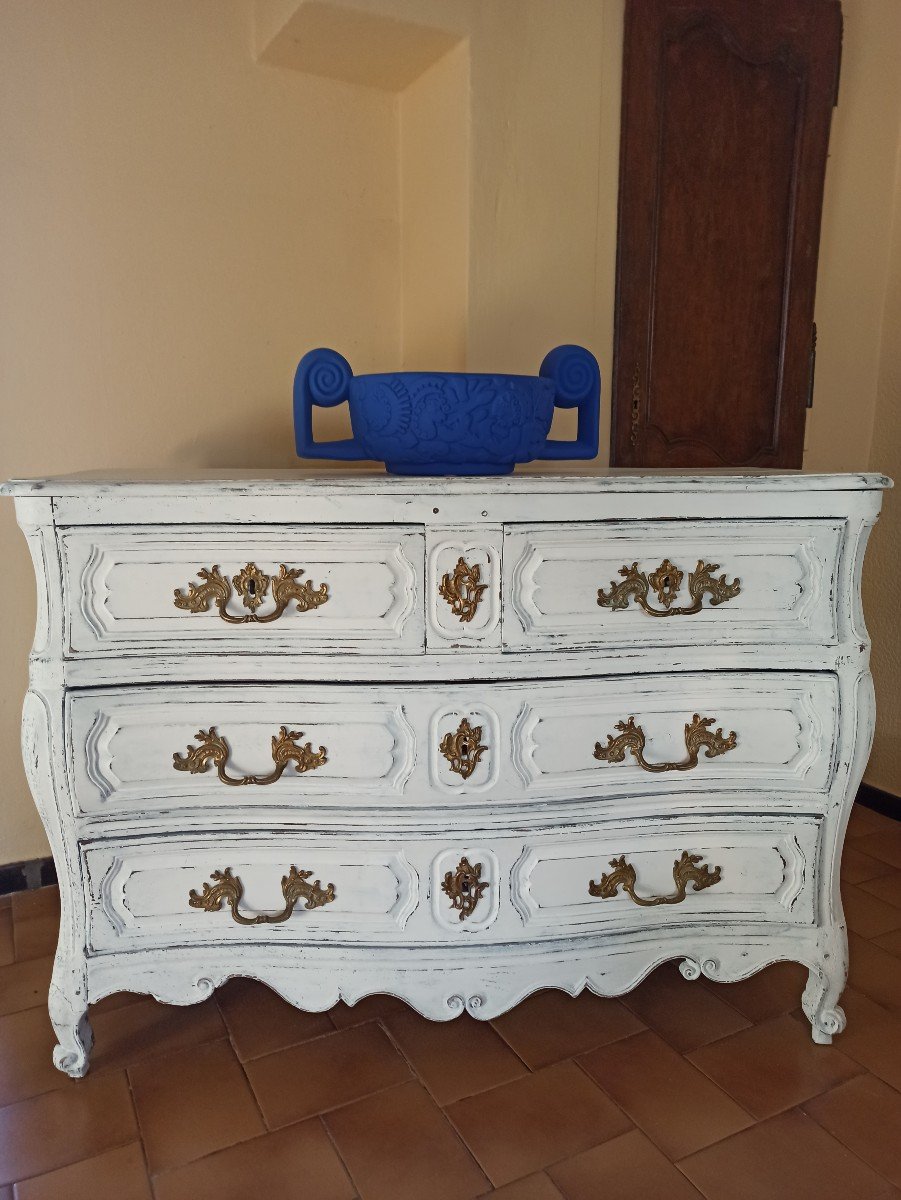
x=447 y=1119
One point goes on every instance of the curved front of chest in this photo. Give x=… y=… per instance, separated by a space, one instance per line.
x=273 y=888
x=305 y=748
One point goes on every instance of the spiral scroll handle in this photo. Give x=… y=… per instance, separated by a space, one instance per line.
x=323 y=378
x=577 y=383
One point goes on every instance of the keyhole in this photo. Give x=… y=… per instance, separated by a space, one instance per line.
x=666 y=581
x=252 y=587
x=464 y=887
x=464 y=748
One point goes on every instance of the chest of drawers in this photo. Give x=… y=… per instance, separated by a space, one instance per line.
x=455 y=740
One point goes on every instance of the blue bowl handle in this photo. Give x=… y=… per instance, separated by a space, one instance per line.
x=577 y=384
x=323 y=377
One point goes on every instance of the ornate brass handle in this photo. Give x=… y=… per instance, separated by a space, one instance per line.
x=464 y=887
x=697 y=734
x=685 y=871
x=666 y=582
x=252 y=586
x=464 y=748
x=215 y=749
x=463 y=590
x=229 y=889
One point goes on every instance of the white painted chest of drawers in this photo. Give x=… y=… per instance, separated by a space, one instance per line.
x=455 y=740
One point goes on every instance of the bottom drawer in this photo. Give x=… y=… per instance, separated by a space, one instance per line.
x=294 y=887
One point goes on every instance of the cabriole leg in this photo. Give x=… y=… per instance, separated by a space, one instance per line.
x=825 y=984
x=69 y=1017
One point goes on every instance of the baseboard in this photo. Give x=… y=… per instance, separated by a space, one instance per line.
x=39 y=872
x=22 y=876
x=880 y=801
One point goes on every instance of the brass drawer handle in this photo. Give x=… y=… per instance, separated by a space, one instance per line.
x=252 y=586
x=463 y=590
x=229 y=889
x=697 y=734
x=464 y=887
x=666 y=582
x=464 y=748
x=215 y=749
x=685 y=871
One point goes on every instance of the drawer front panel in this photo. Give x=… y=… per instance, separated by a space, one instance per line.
x=779 y=583
x=300 y=888
x=364 y=592
x=300 y=748
x=642 y=880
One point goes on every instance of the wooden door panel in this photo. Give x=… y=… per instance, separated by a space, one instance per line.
x=726 y=110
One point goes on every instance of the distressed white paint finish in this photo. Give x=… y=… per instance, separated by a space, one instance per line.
x=552 y=574
x=119 y=681
x=383 y=742
x=121 y=582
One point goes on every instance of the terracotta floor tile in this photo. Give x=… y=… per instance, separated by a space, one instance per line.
x=259 y=1021
x=884 y=844
x=858 y=867
x=36 y=936
x=872 y=1037
x=627 y=1168
x=874 y=971
x=666 y=1096
x=774 y=990
x=864 y=1114
x=885 y=887
x=865 y=821
x=325 y=1072
x=191 y=1103
x=399 y=1146
x=117 y=1175
x=551 y=1025
x=7 y=940
x=37 y=902
x=535 y=1187
x=454 y=1058
x=523 y=1126
x=370 y=1008
x=126 y=1034
x=25 y=984
x=117 y=1000
x=298 y=1162
x=866 y=914
x=26 y=1055
x=79 y=1120
x=890 y=942
x=684 y=1014
x=788 y=1157
x=773 y=1066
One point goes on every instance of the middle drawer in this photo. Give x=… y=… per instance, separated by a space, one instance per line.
x=238 y=750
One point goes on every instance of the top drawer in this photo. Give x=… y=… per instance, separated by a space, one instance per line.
x=206 y=589
x=658 y=583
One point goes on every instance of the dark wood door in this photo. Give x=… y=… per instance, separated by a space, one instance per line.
x=725 y=131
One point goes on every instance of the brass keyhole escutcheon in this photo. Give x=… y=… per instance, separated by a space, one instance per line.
x=464 y=886
x=464 y=748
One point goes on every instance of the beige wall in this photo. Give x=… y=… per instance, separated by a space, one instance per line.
x=187 y=208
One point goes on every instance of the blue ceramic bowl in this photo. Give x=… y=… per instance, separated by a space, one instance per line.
x=435 y=423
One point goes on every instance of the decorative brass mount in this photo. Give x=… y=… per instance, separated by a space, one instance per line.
x=685 y=871
x=666 y=582
x=464 y=887
x=697 y=734
x=463 y=590
x=215 y=749
x=464 y=748
x=229 y=889
x=252 y=586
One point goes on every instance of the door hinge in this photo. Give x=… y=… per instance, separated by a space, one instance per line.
x=811 y=369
